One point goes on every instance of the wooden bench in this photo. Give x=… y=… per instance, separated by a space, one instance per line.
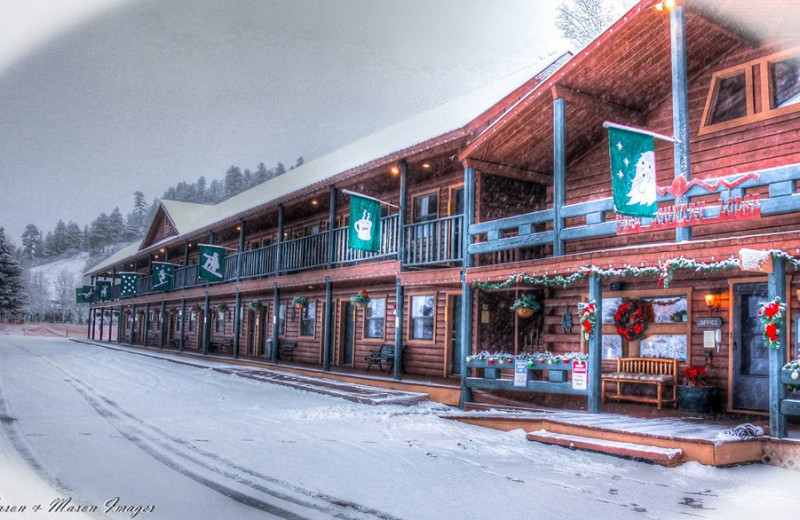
x=286 y=349
x=377 y=357
x=223 y=347
x=643 y=371
x=176 y=342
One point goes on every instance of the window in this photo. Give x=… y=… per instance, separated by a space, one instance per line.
x=308 y=318
x=784 y=78
x=282 y=319
x=178 y=316
x=753 y=91
x=426 y=207
x=375 y=320
x=422 y=309
x=192 y=321
x=219 y=323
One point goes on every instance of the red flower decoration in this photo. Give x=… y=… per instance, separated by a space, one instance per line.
x=771 y=331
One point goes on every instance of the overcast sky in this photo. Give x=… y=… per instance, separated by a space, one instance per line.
x=100 y=98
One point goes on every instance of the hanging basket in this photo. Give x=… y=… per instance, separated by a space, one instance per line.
x=299 y=302
x=525 y=312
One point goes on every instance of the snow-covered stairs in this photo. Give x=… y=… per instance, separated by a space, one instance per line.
x=654 y=454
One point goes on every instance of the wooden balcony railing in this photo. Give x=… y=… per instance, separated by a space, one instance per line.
x=343 y=254
x=434 y=242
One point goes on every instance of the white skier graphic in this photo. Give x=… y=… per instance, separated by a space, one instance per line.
x=212 y=264
x=162 y=276
x=643 y=186
x=363 y=227
x=104 y=292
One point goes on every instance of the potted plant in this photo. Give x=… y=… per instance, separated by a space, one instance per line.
x=526 y=305
x=361 y=298
x=196 y=308
x=300 y=302
x=222 y=307
x=696 y=394
x=254 y=305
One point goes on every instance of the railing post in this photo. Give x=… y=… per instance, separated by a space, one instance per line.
x=276 y=309
x=327 y=345
x=237 y=324
x=239 y=253
x=132 y=332
x=183 y=324
x=559 y=171
x=279 y=247
x=102 y=320
x=146 y=329
x=398 y=329
x=466 y=289
x=776 y=287
x=111 y=322
x=401 y=214
x=185 y=254
x=680 y=107
x=596 y=346
x=206 y=323
x=163 y=323
x=332 y=225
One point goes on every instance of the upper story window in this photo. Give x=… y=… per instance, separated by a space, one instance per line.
x=426 y=207
x=753 y=91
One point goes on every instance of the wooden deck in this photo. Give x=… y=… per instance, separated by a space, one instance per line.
x=697 y=439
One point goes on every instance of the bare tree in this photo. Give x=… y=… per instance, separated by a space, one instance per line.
x=581 y=21
x=39 y=304
x=65 y=292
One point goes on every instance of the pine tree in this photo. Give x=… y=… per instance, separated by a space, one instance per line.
x=12 y=295
x=201 y=190
x=249 y=182
x=116 y=226
x=280 y=169
x=234 y=182
x=299 y=162
x=261 y=174
x=140 y=210
x=31 y=242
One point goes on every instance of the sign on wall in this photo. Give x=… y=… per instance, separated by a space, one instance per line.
x=579 y=375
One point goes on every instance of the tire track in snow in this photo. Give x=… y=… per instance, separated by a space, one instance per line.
x=165 y=448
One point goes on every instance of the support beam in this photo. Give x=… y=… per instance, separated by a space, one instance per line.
x=102 y=323
x=185 y=253
x=89 y=323
x=276 y=309
x=206 y=325
x=511 y=172
x=240 y=253
x=596 y=346
x=466 y=290
x=611 y=109
x=401 y=214
x=111 y=322
x=332 y=225
x=398 y=329
x=132 y=332
x=559 y=172
x=680 y=107
x=163 y=332
x=146 y=329
x=776 y=287
x=279 y=247
x=237 y=324
x=183 y=324
x=327 y=345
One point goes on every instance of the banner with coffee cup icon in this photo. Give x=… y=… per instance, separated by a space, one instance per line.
x=364 y=232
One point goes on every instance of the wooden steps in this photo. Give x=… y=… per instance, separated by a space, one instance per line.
x=654 y=454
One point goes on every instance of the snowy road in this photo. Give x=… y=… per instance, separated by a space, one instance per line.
x=84 y=425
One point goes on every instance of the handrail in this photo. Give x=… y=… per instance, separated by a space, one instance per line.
x=438 y=241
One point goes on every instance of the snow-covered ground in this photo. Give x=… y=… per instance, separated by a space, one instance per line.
x=196 y=443
x=51 y=271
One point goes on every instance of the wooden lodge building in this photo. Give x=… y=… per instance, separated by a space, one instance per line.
x=506 y=192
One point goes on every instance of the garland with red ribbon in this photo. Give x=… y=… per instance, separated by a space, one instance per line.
x=772 y=314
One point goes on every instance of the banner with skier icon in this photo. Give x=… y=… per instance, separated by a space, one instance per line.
x=103 y=290
x=163 y=276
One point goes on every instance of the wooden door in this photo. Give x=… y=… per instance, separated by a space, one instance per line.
x=750 y=356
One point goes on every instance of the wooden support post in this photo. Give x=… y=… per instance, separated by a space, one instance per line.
x=185 y=253
x=240 y=253
x=331 y=226
x=276 y=309
x=163 y=329
x=279 y=247
x=401 y=215
x=596 y=346
x=776 y=287
x=327 y=340
x=183 y=324
x=132 y=332
x=680 y=107
x=237 y=324
x=102 y=323
x=146 y=329
x=111 y=322
x=466 y=289
x=559 y=172
x=205 y=325
x=89 y=323
x=398 y=329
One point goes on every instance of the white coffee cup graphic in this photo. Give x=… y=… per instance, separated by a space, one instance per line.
x=363 y=227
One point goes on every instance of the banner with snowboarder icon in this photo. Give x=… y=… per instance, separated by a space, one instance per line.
x=364 y=231
x=103 y=290
x=163 y=276
x=633 y=173
x=129 y=285
x=212 y=263
x=84 y=294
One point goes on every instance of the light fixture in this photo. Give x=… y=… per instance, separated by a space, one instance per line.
x=238 y=228
x=798 y=295
x=394 y=170
x=163 y=250
x=314 y=202
x=667 y=5
x=712 y=301
x=426 y=166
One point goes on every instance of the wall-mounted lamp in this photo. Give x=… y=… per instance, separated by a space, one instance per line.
x=798 y=295
x=314 y=202
x=394 y=170
x=426 y=166
x=667 y=5
x=712 y=301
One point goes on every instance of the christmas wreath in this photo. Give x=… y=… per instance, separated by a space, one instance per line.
x=631 y=320
x=771 y=314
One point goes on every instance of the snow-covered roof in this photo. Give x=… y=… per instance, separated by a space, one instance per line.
x=443 y=119
x=123 y=254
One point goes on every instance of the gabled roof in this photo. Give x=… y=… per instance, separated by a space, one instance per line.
x=449 y=121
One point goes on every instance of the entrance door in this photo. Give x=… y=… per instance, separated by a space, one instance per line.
x=349 y=333
x=455 y=336
x=750 y=385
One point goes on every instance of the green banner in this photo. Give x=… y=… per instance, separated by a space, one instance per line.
x=633 y=173
x=163 y=276
x=129 y=285
x=84 y=294
x=212 y=263
x=103 y=290
x=364 y=231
